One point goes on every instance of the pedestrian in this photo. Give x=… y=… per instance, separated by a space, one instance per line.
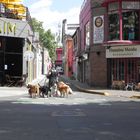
x=52 y=76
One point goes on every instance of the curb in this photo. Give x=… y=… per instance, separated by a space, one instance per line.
x=91 y=91
x=96 y=92
x=135 y=97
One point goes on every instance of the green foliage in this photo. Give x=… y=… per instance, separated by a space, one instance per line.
x=47 y=39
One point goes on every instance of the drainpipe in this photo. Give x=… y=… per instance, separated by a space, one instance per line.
x=120 y=19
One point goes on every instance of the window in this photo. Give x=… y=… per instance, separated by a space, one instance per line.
x=130 y=13
x=114 y=27
x=2 y=8
x=113 y=6
x=131 y=25
x=130 y=5
x=113 y=21
x=87 y=33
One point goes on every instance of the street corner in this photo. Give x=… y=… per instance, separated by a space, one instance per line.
x=135 y=97
x=102 y=93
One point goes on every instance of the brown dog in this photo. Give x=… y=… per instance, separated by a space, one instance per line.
x=34 y=90
x=64 y=89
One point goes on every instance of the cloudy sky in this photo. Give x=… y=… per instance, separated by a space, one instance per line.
x=52 y=12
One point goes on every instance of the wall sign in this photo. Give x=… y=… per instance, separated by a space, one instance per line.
x=14 y=28
x=123 y=52
x=28 y=55
x=98 y=29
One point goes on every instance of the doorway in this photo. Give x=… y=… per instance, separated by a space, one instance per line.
x=11 y=57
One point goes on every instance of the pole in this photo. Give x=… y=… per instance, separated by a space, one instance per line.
x=42 y=60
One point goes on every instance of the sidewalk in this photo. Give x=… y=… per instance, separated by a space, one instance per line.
x=12 y=91
x=16 y=91
x=106 y=92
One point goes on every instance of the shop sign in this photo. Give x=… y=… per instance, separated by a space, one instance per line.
x=123 y=51
x=28 y=55
x=131 y=5
x=85 y=56
x=98 y=33
x=14 y=28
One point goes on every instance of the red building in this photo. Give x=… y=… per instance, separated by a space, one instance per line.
x=68 y=64
x=110 y=41
x=58 y=61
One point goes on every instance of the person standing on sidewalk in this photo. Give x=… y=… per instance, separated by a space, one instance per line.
x=52 y=76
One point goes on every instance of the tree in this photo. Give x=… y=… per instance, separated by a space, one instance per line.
x=47 y=39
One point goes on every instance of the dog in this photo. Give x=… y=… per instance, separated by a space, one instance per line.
x=44 y=90
x=64 y=89
x=118 y=84
x=130 y=86
x=54 y=90
x=34 y=90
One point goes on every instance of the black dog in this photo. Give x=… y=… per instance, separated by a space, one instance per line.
x=44 y=91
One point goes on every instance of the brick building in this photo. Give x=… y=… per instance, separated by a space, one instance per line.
x=58 y=61
x=110 y=41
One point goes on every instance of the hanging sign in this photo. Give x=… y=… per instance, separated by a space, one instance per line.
x=28 y=55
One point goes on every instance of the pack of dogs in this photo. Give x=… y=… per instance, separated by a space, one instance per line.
x=59 y=89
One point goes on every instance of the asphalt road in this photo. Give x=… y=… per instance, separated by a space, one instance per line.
x=81 y=116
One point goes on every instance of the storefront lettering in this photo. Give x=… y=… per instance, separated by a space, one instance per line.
x=116 y=50
x=7 y=28
x=131 y=49
x=123 y=51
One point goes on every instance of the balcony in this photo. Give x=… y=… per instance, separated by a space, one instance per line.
x=14 y=11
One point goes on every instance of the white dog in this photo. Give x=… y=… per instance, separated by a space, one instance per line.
x=54 y=91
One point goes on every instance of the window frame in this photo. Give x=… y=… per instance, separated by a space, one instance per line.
x=120 y=10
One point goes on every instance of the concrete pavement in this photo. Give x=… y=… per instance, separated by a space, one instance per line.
x=12 y=91
x=15 y=91
x=107 y=92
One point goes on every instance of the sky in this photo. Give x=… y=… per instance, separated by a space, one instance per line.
x=52 y=12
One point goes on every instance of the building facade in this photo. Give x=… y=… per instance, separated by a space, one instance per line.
x=76 y=67
x=18 y=53
x=110 y=41
x=123 y=42
x=59 y=55
x=68 y=55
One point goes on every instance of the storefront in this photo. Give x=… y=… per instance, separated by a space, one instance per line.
x=124 y=63
x=12 y=46
x=123 y=40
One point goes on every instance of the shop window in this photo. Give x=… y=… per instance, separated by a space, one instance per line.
x=114 y=27
x=113 y=6
x=131 y=25
x=129 y=11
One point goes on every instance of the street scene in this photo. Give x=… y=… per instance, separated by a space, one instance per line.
x=69 y=70
x=81 y=115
